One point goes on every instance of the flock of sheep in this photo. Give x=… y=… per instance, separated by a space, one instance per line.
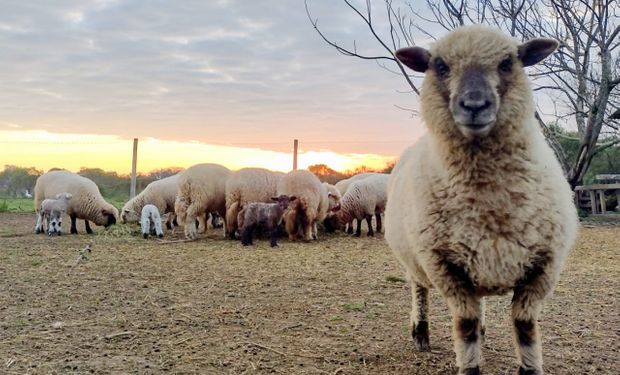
x=477 y=207
x=244 y=199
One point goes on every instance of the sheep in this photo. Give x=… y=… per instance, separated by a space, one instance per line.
x=308 y=209
x=201 y=190
x=150 y=221
x=86 y=202
x=363 y=199
x=244 y=186
x=268 y=215
x=343 y=186
x=161 y=193
x=50 y=214
x=479 y=206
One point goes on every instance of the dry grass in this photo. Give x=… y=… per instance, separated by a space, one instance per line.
x=336 y=306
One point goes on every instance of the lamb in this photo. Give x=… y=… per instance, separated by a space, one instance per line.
x=86 y=202
x=161 y=193
x=201 y=190
x=50 y=214
x=268 y=215
x=244 y=186
x=364 y=198
x=480 y=206
x=150 y=221
x=308 y=209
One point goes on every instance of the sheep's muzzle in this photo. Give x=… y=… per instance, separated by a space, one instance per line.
x=474 y=105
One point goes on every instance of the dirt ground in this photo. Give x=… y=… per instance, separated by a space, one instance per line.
x=336 y=306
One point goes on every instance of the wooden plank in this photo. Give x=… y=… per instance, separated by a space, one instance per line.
x=601 y=195
x=612 y=177
x=593 y=202
x=598 y=187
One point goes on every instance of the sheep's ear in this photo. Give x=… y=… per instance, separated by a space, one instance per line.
x=329 y=194
x=536 y=50
x=416 y=58
x=274 y=199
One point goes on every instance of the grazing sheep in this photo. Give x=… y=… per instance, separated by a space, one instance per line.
x=161 y=193
x=343 y=186
x=201 y=190
x=268 y=215
x=50 y=214
x=334 y=196
x=309 y=208
x=479 y=206
x=150 y=221
x=244 y=186
x=363 y=199
x=86 y=202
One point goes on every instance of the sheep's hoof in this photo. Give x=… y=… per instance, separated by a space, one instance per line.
x=160 y=235
x=145 y=235
x=273 y=244
x=371 y=234
x=49 y=234
x=470 y=371
x=37 y=230
x=59 y=233
x=168 y=226
x=357 y=235
x=420 y=336
x=531 y=371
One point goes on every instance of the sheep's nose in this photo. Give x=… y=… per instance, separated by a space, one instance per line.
x=474 y=103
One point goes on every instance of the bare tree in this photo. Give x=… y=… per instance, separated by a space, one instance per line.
x=581 y=80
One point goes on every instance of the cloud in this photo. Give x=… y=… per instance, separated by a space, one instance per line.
x=222 y=72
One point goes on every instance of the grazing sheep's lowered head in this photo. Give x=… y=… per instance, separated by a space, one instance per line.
x=475 y=82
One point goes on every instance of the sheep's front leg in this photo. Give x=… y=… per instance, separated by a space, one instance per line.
x=458 y=289
x=526 y=305
x=274 y=236
x=193 y=214
x=73 y=224
x=89 y=230
x=419 y=317
x=38 y=228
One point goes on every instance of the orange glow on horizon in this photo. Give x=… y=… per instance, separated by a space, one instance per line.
x=45 y=150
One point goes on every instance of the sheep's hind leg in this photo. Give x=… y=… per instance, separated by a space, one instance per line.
x=526 y=305
x=358 y=232
x=274 y=236
x=379 y=225
x=87 y=226
x=419 y=317
x=73 y=224
x=371 y=233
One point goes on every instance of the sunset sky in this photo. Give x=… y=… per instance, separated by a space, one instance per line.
x=231 y=82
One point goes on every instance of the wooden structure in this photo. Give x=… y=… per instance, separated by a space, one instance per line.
x=134 y=163
x=592 y=197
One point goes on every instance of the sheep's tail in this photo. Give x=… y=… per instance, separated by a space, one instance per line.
x=231 y=219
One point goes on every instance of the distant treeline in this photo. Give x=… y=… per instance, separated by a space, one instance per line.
x=19 y=182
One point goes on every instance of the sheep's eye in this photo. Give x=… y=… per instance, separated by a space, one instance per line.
x=506 y=65
x=441 y=67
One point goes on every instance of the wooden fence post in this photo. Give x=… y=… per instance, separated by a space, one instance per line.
x=295 y=146
x=134 y=163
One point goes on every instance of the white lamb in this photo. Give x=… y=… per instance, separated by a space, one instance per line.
x=150 y=221
x=86 y=202
x=364 y=199
x=480 y=206
x=161 y=193
x=50 y=214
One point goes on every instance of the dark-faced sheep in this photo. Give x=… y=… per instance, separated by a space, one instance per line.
x=479 y=206
x=86 y=202
x=267 y=215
